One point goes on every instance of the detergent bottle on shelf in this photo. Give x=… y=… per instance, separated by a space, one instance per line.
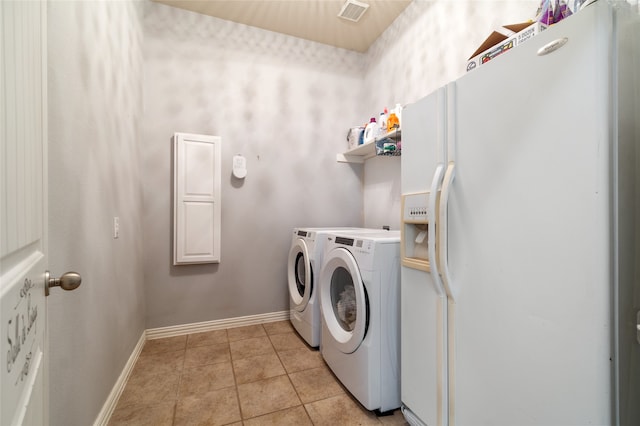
x=392 y=122
x=382 y=122
x=370 y=131
x=398 y=112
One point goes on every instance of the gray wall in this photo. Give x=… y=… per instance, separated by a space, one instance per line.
x=283 y=103
x=428 y=46
x=95 y=109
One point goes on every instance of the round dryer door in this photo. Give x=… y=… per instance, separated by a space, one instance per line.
x=345 y=306
x=300 y=275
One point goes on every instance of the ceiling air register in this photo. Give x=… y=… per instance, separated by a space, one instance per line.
x=353 y=10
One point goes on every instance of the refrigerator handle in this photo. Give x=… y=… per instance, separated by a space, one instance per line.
x=433 y=228
x=443 y=231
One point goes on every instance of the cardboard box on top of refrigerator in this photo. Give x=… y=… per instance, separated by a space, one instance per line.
x=502 y=40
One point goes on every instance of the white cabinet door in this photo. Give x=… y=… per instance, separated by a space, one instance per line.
x=23 y=219
x=197 y=211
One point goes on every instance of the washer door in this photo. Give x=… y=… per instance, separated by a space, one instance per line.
x=300 y=275
x=344 y=301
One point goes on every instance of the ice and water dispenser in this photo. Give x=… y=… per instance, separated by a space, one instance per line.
x=415 y=230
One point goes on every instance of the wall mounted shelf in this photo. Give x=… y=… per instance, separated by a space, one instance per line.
x=361 y=153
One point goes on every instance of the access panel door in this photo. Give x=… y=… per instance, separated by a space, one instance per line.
x=197 y=199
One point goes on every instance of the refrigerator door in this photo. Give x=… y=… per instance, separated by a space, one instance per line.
x=529 y=242
x=423 y=135
x=423 y=299
x=628 y=215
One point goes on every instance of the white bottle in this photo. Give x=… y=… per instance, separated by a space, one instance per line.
x=398 y=112
x=382 y=123
x=370 y=131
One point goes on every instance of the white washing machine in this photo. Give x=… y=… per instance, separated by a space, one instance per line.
x=305 y=260
x=360 y=309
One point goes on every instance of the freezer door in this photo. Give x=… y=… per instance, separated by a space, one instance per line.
x=423 y=348
x=423 y=301
x=423 y=141
x=529 y=242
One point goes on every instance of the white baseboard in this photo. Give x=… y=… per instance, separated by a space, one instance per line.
x=178 y=330
x=199 y=327
x=112 y=400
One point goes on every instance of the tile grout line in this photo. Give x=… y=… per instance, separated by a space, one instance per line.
x=235 y=380
x=286 y=373
x=175 y=402
x=290 y=382
x=304 y=405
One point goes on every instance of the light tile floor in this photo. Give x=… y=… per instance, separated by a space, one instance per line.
x=255 y=375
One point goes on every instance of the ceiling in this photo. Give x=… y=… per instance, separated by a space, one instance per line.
x=315 y=20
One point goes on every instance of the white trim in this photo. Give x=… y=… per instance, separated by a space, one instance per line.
x=110 y=404
x=199 y=327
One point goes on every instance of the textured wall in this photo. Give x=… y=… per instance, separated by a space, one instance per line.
x=95 y=109
x=426 y=47
x=285 y=104
x=282 y=102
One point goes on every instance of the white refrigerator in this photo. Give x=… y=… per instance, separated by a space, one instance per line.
x=520 y=285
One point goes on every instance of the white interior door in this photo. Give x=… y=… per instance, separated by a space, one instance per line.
x=423 y=300
x=23 y=219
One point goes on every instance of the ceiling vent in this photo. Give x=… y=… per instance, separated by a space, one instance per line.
x=353 y=10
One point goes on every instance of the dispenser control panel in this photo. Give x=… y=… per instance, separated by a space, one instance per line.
x=416 y=208
x=415 y=230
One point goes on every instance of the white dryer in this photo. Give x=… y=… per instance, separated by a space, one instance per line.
x=305 y=260
x=360 y=309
